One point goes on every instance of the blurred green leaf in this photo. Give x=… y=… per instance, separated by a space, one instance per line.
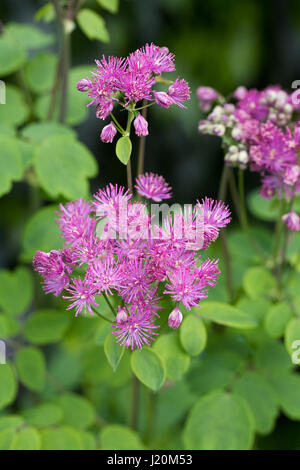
x=123 y=149
x=15 y=112
x=62 y=438
x=44 y=415
x=26 y=439
x=16 y=290
x=12 y=55
x=36 y=132
x=219 y=421
x=8 y=388
x=92 y=25
x=11 y=165
x=31 y=368
x=41 y=233
x=287 y=387
x=193 y=335
x=11 y=421
x=264 y=209
x=40 y=72
x=277 y=318
x=148 y=368
x=113 y=351
x=6 y=438
x=271 y=358
x=78 y=412
x=226 y=315
x=176 y=361
x=261 y=398
x=110 y=5
x=46 y=326
x=29 y=35
x=45 y=13
x=259 y=282
x=292 y=338
x=119 y=437
x=63 y=167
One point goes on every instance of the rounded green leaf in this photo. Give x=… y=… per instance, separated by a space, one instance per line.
x=277 y=318
x=6 y=438
x=271 y=358
x=12 y=55
x=119 y=437
x=256 y=308
x=11 y=164
x=28 y=35
x=8 y=385
x=258 y=282
x=92 y=24
x=15 y=112
x=101 y=333
x=287 y=387
x=31 y=368
x=44 y=415
x=16 y=290
x=11 y=421
x=113 y=351
x=261 y=399
x=36 y=132
x=41 y=233
x=228 y=315
x=292 y=339
x=193 y=335
x=264 y=209
x=219 y=421
x=148 y=368
x=110 y=5
x=62 y=438
x=78 y=412
x=46 y=326
x=63 y=167
x=123 y=149
x=26 y=439
x=40 y=72
x=176 y=361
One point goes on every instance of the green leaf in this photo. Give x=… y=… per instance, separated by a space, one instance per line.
x=176 y=361
x=292 y=339
x=277 y=318
x=62 y=438
x=41 y=233
x=63 y=167
x=123 y=149
x=44 y=415
x=271 y=358
x=78 y=412
x=45 y=13
x=3 y=328
x=40 y=72
x=256 y=308
x=113 y=351
x=287 y=387
x=261 y=399
x=193 y=335
x=148 y=368
x=31 y=368
x=6 y=438
x=27 y=153
x=36 y=132
x=219 y=421
x=92 y=25
x=29 y=36
x=16 y=290
x=226 y=315
x=258 y=282
x=110 y=5
x=119 y=437
x=46 y=326
x=15 y=112
x=8 y=388
x=11 y=422
x=12 y=55
x=11 y=165
x=102 y=332
x=263 y=209
x=26 y=439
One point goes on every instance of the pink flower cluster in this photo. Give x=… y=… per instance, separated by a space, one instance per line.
x=258 y=132
x=114 y=248
x=128 y=81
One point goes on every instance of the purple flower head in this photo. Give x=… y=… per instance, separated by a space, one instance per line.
x=179 y=92
x=105 y=275
x=252 y=106
x=74 y=221
x=163 y=99
x=140 y=125
x=240 y=93
x=82 y=295
x=136 y=86
x=84 y=84
x=175 y=318
x=110 y=70
x=139 y=329
x=55 y=268
x=111 y=200
x=136 y=282
x=184 y=286
x=104 y=109
x=108 y=133
x=206 y=93
x=158 y=59
x=292 y=221
x=152 y=186
x=215 y=216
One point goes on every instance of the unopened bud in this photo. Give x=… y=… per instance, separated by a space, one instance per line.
x=121 y=315
x=175 y=318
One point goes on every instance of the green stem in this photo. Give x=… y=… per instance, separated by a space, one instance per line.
x=128 y=166
x=135 y=403
x=144 y=107
x=234 y=194
x=278 y=231
x=100 y=316
x=109 y=304
x=142 y=144
x=118 y=125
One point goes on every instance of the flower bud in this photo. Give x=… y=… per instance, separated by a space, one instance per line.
x=83 y=85
x=292 y=220
x=108 y=133
x=140 y=125
x=175 y=318
x=243 y=157
x=206 y=93
x=237 y=133
x=121 y=315
x=240 y=93
x=163 y=99
x=218 y=129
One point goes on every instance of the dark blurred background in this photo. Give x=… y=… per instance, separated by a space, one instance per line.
x=218 y=43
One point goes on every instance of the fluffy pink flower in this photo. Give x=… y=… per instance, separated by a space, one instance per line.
x=82 y=295
x=136 y=331
x=206 y=93
x=184 y=286
x=55 y=267
x=163 y=99
x=105 y=274
x=179 y=92
x=111 y=200
x=152 y=186
x=215 y=216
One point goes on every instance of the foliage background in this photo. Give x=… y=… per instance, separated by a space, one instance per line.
x=217 y=43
